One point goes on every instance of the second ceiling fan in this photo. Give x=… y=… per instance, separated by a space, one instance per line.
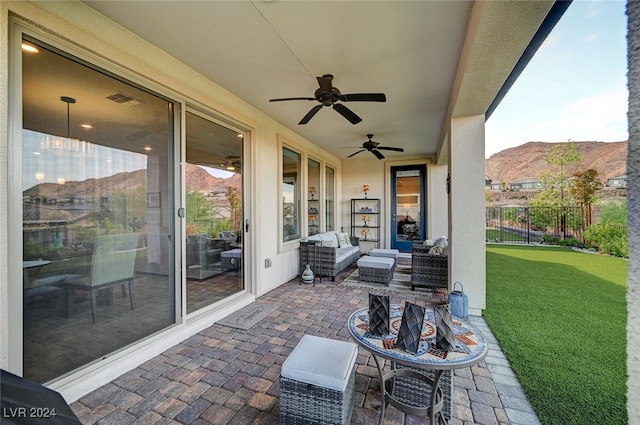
x=328 y=95
x=375 y=148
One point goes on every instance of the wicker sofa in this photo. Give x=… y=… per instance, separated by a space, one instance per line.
x=429 y=270
x=330 y=257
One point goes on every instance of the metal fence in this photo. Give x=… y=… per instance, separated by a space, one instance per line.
x=532 y=224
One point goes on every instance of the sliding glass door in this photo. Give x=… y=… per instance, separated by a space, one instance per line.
x=97 y=212
x=214 y=215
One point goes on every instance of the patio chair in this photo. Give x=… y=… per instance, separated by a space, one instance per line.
x=112 y=264
x=428 y=270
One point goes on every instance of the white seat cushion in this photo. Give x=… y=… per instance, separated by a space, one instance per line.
x=376 y=262
x=380 y=252
x=232 y=253
x=323 y=362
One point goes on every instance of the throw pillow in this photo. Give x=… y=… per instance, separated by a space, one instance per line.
x=442 y=242
x=435 y=250
x=344 y=240
x=330 y=244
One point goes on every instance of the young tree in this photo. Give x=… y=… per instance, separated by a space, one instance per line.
x=556 y=180
x=584 y=189
x=200 y=212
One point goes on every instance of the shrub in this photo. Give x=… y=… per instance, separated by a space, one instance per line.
x=609 y=239
x=556 y=240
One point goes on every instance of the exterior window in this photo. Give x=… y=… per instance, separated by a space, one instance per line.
x=97 y=191
x=329 y=208
x=213 y=212
x=313 y=208
x=290 y=195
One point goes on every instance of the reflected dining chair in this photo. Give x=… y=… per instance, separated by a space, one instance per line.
x=112 y=264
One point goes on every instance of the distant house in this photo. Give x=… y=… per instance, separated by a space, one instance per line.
x=487 y=182
x=526 y=185
x=497 y=185
x=620 y=181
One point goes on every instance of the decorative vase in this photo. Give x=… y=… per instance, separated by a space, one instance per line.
x=379 y=312
x=445 y=338
x=410 y=327
x=365 y=195
x=307 y=275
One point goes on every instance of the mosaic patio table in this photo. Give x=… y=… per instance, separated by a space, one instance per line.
x=419 y=384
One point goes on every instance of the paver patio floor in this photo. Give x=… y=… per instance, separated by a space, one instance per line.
x=224 y=375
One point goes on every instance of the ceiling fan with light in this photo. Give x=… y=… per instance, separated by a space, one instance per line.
x=328 y=95
x=375 y=148
x=231 y=163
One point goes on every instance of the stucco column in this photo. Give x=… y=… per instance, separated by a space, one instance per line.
x=467 y=255
x=633 y=204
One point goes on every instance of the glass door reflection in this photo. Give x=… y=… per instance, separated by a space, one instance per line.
x=214 y=216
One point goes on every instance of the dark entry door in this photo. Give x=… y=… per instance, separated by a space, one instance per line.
x=407 y=205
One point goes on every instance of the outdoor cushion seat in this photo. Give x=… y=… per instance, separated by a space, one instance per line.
x=381 y=252
x=343 y=254
x=317 y=383
x=376 y=269
x=329 y=256
x=429 y=269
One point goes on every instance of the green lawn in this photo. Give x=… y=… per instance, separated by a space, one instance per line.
x=560 y=317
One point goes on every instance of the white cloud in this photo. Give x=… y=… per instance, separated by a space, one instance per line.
x=601 y=117
x=591 y=37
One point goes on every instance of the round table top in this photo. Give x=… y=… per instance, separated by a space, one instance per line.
x=471 y=345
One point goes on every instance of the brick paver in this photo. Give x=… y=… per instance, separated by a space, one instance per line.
x=227 y=376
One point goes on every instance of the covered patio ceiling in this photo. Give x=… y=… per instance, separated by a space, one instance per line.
x=432 y=59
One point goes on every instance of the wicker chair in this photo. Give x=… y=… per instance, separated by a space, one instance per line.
x=428 y=270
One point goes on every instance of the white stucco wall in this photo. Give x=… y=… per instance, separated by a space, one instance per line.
x=376 y=174
x=633 y=204
x=438 y=203
x=355 y=173
x=467 y=251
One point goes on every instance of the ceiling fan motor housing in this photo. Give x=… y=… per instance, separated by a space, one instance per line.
x=326 y=98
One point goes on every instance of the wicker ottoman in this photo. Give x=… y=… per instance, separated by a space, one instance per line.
x=376 y=269
x=381 y=252
x=317 y=382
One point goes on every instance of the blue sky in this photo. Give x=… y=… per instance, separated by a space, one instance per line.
x=575 y=87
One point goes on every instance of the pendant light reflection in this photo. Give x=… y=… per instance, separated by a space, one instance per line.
x=66 y=145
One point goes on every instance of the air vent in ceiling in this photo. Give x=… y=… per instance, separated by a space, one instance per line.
x=123 y=98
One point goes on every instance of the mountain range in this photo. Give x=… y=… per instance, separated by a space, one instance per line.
x=528 y=161
x=199 y=179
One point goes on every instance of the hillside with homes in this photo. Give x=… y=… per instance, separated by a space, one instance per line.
x=513 y=175
x=526 y=162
